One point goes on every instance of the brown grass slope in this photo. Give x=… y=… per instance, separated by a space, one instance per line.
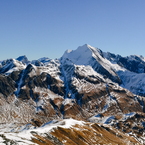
x=87 y=134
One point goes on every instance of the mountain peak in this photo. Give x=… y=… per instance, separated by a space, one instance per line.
x=86 y=45
x=23 y=59
x=83 y=55
x=80 y=56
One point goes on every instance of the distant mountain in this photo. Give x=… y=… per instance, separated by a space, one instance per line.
x=85 y=84
x=23 y=59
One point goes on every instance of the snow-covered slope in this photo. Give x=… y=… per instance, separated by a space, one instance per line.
x=88 y=55
x=132 y=72
x=10 y=65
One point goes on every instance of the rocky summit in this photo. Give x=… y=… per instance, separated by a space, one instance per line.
x=85 y=97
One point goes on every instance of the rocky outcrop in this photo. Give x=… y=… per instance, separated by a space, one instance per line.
x=7 y=86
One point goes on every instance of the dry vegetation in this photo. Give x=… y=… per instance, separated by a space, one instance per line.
x=88 y=134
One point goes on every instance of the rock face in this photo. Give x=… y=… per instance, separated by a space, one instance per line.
x=85 y=84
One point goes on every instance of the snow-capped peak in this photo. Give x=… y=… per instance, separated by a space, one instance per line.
x=80 y=56
x=23 y=59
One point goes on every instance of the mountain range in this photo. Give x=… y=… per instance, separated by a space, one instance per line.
x=59 y=101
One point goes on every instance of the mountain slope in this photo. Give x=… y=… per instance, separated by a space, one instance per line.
x=84 y=84
x=88 y=55
x=69 y=132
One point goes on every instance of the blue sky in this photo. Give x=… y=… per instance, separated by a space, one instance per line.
x=38 y=28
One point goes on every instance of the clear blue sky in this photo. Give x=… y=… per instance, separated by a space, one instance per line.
x=38 y=28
